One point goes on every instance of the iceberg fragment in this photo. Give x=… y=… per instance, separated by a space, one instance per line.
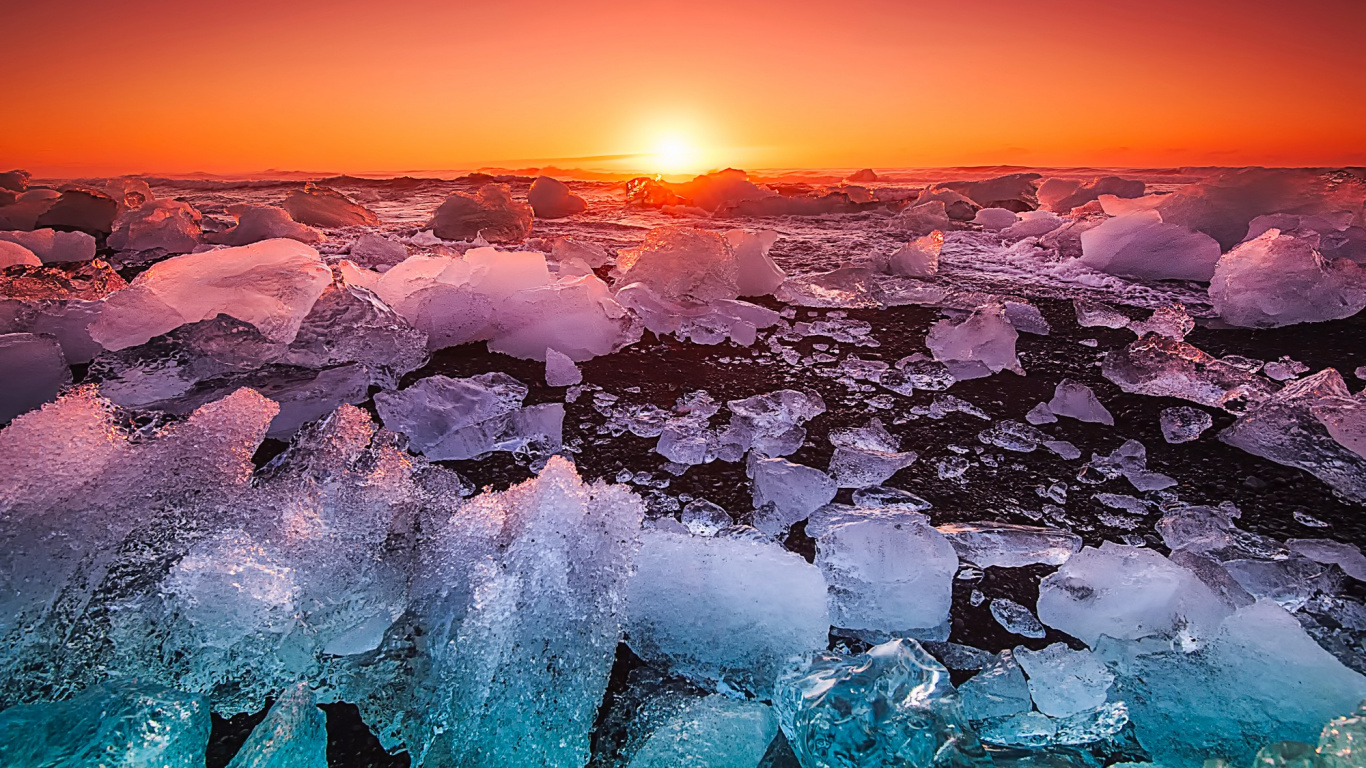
x=491 y=213
x=1143 y=246
x=256 y=223
x=319 y=206
x=893 y=705
x=724 y=609
x=165 y=225
x=271 y=285
x=1280 y=279
x=551 y=199
x=979 y=345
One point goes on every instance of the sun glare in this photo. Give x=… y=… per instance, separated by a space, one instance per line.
x=674 y=155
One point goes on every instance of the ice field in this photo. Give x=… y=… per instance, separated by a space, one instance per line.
x=950 y=468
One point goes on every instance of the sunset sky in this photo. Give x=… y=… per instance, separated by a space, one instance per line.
x=153 y=86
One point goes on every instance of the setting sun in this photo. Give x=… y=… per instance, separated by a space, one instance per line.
x=673 y=155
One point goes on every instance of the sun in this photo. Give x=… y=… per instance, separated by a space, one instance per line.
x=673 y=154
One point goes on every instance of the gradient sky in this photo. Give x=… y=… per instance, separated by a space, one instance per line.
x=153 y=86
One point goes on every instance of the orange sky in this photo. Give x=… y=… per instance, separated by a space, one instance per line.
x=101 y=87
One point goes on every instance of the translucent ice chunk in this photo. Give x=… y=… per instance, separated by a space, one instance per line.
x=1094 y=314
x=167 y=225
x=920 y=257
x=866 y=455
x=785 y=492
x=372 y=251
x=979 y=345
x=1005 y=545
x=1016 y=618
x=1287 y=429
x=758 y=274
x=1261 y=679
x=1164 y=367
x=1280 y=279
x=1128 y=593
x=464 y=418
x=1076 y=400
x=122 y=724
x=724 y=609
x=713 y=732
x=53 y=246
x=293 y=735
x=892 y=705
x=1064 y=682
x=680 y=262
x=560 y=370
x=890 y=573
x=271 y=285
x=1142 y=245
x=517 y=679
x=998 y=690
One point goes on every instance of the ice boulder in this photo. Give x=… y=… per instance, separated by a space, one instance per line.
x=724 y=609
x=918 y=258
x=954 y=205
x=293 y=735
x=1076 y=401
x=1014 y=192
x=455 y=419
x=15 y=181
x=993 y=219
x=758 y=274
x=522 y=644
x=167 y=225
x=1261 y=679
x=863 y=176
x=52 y=246
x=893 y=705
x=272 y=285
x=681 y=262
x=1223 y=205
x=551 y=199
x=319 y=206
x=1034 y=224
x=1128 y=593
x=924 y=218
x=15 y=255
x=890 y=573
x=711 y=732
x=490 y=213
x=1062 y=195
x=1295 y=427
x=32 y=372
x=978 y=345
x=785 y=492
x=576 y=316
x=998 y=690
x=129 y=192
x=85 y=210
x=117 y=724
x=1143 y=246
x=1064 y=682
x=23 y=212
x=721 y=191
x=1280 y=279
x=263 y=222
